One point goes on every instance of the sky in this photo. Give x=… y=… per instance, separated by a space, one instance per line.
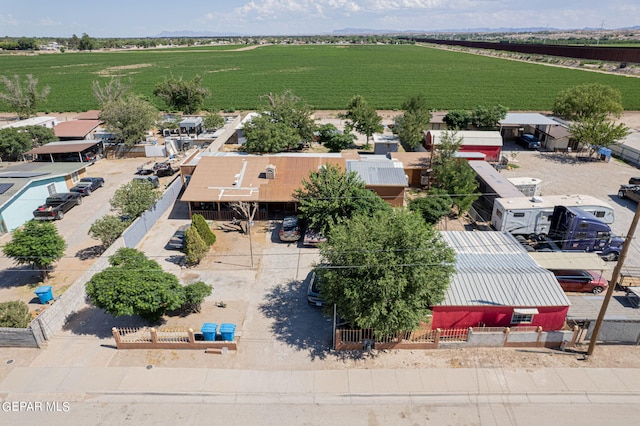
x=135 y=18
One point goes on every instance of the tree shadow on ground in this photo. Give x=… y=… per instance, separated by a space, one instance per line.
x=90 y=252
x=19 y=276
x=96 y=322
x=300 y=325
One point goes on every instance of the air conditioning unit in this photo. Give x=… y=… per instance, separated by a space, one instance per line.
x=271 y=172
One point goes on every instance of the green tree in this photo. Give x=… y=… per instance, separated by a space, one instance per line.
x=457 y=120
x=107 y=229
x=333 y=139
x=454 y=176
x=135 y=285
x=433 y=207
x=129 y=118
x=37 y=244
x=331 y=196
x=362 y=118
x=195 y=293
x=266 y=135
x=488 y=117
x=14 y=314
x=182 y=95
x=111 y=91
x=213 y=120
x=386 y=270
x=195 y=248
x=199 y=222
x=293 y=112
x=410 y=126
x=23 y=97
x=14 y=141
x=39 y=135
x=134 y=198
x=588 y=101
x=86 y=43
x=598 y=131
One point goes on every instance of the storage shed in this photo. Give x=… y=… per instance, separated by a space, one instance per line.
x=486 y=142
x=497 y=284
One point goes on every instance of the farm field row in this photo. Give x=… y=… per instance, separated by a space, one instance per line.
x=326 y=77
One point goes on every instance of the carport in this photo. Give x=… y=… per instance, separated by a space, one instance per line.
x=80 y=151
x=539 y=125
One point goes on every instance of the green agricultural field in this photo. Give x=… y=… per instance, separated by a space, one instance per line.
x=325 y=76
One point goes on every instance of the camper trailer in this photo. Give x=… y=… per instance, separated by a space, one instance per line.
x=532 y=215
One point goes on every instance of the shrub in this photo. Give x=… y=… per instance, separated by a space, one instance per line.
x=14 y=314
x=195 y=294
x=198 y=221
x=194 y=246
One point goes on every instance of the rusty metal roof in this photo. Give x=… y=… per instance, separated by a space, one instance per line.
x=75 y=128
x=63 y=147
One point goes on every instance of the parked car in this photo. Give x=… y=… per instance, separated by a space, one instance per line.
x=313 y=290
x=176 y=242
x=313 y=238
x=87 y=185
x=631 y=192
x=164 y=169
x=153 y=180
x=634 y=181
x=581 y=281
x=57 y=205
x=528 y=141
x=290 y=230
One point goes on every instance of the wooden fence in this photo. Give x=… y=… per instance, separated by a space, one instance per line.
x=166 y=338
x=365 y=339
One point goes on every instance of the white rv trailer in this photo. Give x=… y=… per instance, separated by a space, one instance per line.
x=532 y=215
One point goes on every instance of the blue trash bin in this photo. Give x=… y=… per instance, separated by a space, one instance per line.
x=227 y=332
x=44 y=293
x=209 y=331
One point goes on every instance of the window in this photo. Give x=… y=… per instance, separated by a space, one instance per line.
x=523 y=315
x=74 y=177
x=51 y=188
x=599 y=213
x=518 y=215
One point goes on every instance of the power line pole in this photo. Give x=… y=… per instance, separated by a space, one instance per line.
x=614 y=280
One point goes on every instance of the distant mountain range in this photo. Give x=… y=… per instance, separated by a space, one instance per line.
x=370 y=31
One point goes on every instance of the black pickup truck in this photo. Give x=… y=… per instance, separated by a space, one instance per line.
x=57 y=205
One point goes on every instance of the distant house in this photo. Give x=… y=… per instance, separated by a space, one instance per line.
x=44 y=121
x=76 y=129
x=383 y=144
x=497 y=284
x=25 y=186
x=488 y=143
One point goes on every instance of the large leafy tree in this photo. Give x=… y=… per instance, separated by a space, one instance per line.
x=454 y=176
x=267 y=135
x=15 y=141
x=135 y=285
x=385 y=271
x=588 y=101
x=457 y=120
x=410 y=126
x=129 y=118
x=86 y=43
x=182 y=95
x=331 y=196
x=37 y=244
x=292 y=111
x=23 y=96
x=488 y=117
x=134 y=198
x=213 y=120
x=333 y=139
x=362 y=118
x=598 y=131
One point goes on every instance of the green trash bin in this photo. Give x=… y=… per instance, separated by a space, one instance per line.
x=209 y=331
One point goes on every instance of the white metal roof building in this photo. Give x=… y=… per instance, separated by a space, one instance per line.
x=493 y=269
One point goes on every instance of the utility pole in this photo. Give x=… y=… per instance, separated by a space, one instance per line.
x=614 y=280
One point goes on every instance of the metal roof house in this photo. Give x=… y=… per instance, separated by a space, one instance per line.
x=497 y=284
x=23 y=187
x=383 y=176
